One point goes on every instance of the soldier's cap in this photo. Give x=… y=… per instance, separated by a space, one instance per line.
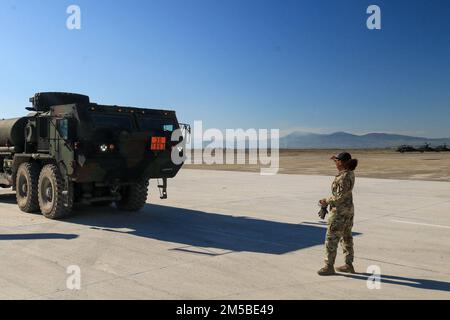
x=344 y=156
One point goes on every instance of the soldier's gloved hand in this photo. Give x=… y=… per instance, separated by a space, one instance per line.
x=323 y=211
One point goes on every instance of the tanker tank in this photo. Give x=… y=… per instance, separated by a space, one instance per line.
x=12 y=134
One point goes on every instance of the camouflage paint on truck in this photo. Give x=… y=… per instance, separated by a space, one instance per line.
x=93 y=153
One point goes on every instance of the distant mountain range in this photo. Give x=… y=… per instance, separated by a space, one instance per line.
x=343 y=140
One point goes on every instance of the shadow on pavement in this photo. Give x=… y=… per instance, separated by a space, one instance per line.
x=38 y=236
x=9 y=198
x=203 y=229
x=404 y=281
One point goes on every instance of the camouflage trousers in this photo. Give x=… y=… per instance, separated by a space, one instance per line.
x=339 y=230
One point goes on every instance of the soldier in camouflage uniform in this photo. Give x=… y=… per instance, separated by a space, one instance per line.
x=340 y=220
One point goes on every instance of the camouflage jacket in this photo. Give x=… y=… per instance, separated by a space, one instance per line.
x=342 y=198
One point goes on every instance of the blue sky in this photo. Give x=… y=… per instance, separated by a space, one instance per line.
x=288 y=64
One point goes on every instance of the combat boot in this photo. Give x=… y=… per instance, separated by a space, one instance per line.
x=326 y=271
x=348 y=268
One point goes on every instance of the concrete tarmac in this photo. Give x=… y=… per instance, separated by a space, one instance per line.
x=232 y=235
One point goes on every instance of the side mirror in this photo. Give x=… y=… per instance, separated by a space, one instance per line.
x=43 y=127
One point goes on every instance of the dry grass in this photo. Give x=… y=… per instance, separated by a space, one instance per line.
x=384 y=164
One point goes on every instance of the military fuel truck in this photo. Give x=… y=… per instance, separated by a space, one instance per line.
x=70 y=151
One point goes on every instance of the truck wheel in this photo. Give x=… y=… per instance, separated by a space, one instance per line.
x=134 y=197
x=51 y=197
x=27 y=187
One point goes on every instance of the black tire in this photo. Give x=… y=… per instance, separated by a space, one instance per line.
x=27 y=187
x=50 y=194
x=134 y=197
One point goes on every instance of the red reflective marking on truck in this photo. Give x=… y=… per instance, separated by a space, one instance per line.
x=158 y=143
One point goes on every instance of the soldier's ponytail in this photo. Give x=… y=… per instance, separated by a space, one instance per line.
x=352 y=164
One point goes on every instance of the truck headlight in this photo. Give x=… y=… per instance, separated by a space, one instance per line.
x=104 y=148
